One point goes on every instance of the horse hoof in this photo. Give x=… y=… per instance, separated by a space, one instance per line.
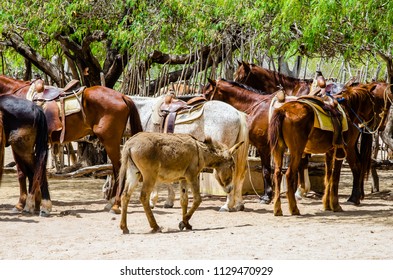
x=167 y=205
x=44 y=214
x=338 y=209
x=240 y=207
x=223 y=209
x=126 y=231
x=16 y=210
x=353 y=201
x=183 y=225
x=278 y=213
x=296 y=212
x=115 y=211
x=265 y=200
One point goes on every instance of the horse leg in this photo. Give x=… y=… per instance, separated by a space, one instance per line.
x=334 y=203
x=328 y=180
x=184 y=202
x=355 y=166
x=153 y=198
x=240 y=175
x=112 y=148
x=266 y=173
x=292 y=180
x=130 y=185
x=304 y=180
x=278 y=162
x=22 y=190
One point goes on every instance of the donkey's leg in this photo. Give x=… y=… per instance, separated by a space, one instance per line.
x=147 y=187
x=184 y=202
x=132 y=181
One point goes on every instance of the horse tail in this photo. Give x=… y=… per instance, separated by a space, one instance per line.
x=275 y=129
x=133 y=117
x=41 y=151
x=2 y=145
x=366 y=143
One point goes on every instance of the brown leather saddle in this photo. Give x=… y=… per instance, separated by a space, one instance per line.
x=49 y=97
x=172 y=106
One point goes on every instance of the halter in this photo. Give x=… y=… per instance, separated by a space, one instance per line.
x=363 y=124
x=214 y=91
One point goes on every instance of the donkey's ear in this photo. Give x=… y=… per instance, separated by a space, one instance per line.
x=212 y=82
x=235 y=147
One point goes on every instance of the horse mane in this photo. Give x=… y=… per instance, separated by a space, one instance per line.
x=280 y=75
x=9 y=83
x=246 y=87
x=358 y=94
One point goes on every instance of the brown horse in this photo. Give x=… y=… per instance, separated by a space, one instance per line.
x=270 y=81
x=256 y=106
x=104 y=113
x=292 y=127
x=23 y=127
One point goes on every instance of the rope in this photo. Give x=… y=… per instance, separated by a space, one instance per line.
x=250 y=178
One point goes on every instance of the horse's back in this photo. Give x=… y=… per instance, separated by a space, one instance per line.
x=219 y=120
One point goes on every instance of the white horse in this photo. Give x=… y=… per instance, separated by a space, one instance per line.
x=219 y=121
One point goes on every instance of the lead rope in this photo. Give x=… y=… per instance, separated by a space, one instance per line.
x=250 y=179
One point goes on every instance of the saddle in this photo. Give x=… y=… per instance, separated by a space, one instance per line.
x=331 y=108
x=57 y=103
x=172 y=106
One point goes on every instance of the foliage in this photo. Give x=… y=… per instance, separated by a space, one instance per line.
x=331 y=28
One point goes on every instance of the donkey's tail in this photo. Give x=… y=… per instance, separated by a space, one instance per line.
x=133 y=117
x=127 y=164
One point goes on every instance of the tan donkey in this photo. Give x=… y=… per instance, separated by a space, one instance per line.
x=152 y=158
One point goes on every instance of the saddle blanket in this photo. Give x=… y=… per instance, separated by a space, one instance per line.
x=322 y=120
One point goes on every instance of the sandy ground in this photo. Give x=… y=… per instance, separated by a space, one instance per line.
x=80 y=229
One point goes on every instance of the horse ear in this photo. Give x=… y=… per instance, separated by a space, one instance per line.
x=235 y=147
x=371 y=87
x=246 y=66
x=212 y=82
x=239 y=63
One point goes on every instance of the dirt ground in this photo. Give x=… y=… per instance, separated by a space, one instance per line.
x=80 y=229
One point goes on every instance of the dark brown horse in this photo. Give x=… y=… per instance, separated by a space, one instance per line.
x=23 y=127
x=104 y=113
x=292 y=128
x=256 y=106
x=270 y=81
